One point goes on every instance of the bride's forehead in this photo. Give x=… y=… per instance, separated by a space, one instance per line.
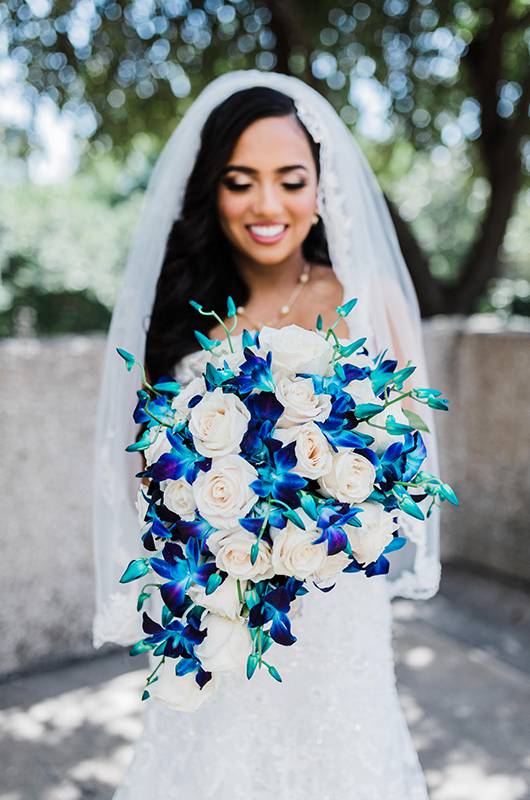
x=269 y=140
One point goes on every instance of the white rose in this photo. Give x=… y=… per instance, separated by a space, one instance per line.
x=351 y=478
x=218 y=423
x=293 y=551
x=295 y=349
x=178 y=497
x=377 y=527
x=215 y=538
x=160 y=446
x=223 y=494
x=331 y=567
x=382 y=439
x=180 y=692
x=180 y=402
x=362 y=391
x=224 y=600
x=300 y=402
x=226 y=645
x=233 y=557
x=312 y=449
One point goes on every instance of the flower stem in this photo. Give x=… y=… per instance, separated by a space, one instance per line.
x=150 y=677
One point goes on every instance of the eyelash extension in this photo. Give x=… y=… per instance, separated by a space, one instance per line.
x=241 y=187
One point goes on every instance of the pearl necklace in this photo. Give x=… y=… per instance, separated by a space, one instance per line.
x=285 y=309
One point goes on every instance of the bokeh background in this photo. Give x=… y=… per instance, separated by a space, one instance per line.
x=437 y=94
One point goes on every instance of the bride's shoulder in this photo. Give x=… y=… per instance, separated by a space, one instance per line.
x=324 y=280
x=324 y=294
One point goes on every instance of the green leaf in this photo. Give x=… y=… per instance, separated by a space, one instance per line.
x=254 y=550
x=252 y=663
x=415 y=420
x=135 y=569
x=231 y=306
x=146 y=695
x=127 y=357
x=195 y=305
x=319 y=323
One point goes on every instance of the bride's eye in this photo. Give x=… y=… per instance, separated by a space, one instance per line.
x=291 y=187
x=232 y=186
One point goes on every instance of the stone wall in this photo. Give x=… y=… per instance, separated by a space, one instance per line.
x=48 y=395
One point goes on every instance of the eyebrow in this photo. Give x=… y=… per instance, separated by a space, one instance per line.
x=250 y=171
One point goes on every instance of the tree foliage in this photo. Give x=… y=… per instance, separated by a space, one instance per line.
x=446 y=76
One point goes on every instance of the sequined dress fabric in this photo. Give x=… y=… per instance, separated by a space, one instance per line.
x=333 y=729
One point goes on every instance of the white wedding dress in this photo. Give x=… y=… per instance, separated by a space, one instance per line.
x=333 y=729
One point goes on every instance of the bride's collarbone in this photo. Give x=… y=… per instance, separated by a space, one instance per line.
x=322 y=296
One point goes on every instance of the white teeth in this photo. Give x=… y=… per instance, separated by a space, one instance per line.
x=267 y=230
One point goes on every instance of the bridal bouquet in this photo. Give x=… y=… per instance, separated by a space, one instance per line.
x=288 y=461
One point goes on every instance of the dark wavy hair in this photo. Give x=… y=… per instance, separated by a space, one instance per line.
x=198 y=262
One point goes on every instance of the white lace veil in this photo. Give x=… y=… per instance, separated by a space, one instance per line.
x=368 y=262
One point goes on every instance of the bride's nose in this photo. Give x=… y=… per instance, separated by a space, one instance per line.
x=267 y=201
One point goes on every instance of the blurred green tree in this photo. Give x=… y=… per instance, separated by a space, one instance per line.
x=446 y=75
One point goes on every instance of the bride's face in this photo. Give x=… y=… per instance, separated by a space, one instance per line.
x=266 y=198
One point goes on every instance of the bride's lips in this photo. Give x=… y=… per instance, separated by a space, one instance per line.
x=267 y=234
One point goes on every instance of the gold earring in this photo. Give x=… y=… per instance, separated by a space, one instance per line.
x=316 y=218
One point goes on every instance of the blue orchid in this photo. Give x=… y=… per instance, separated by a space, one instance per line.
x=337 y=428
x=276 y=478
x=343 y=375
x=181 y=462
x=274 y=605
x=181 y=569
x=255 y=373
x=197 y=528
x=158 y=529
x=174 y=639
x=331 y=518
x=265 y=410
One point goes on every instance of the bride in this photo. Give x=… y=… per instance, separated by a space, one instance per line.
x=261 y=193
